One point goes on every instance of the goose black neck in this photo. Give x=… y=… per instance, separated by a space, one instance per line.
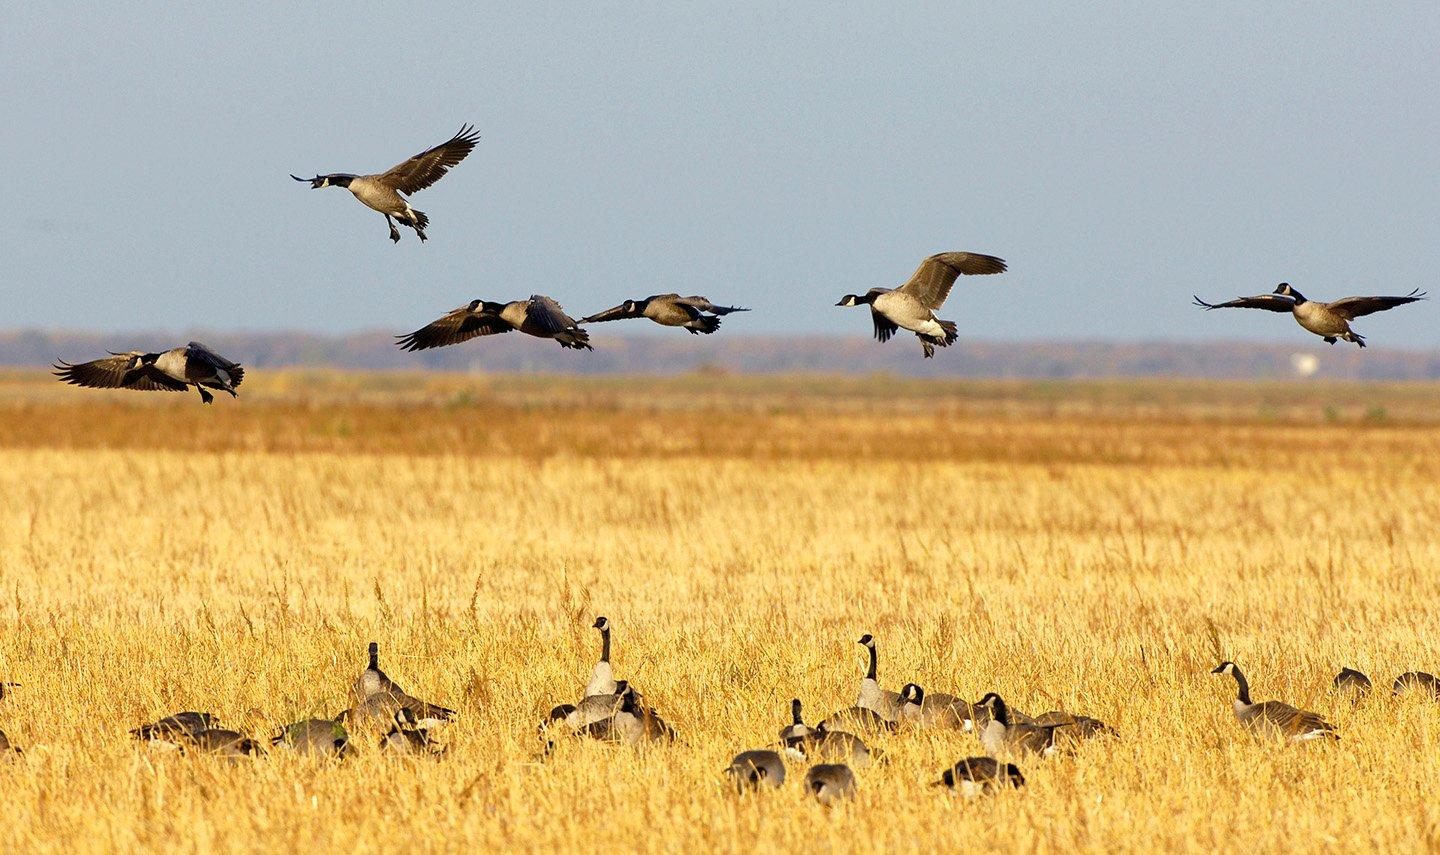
x=605 y=644
x=795 y=712
x=874 y=663
x=374 y=656
x=1299 y=298
x=1002 y=712
x=1244 y=687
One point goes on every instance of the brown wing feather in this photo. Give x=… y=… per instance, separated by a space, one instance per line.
x=429 y=166
x=1268 y=302
x=937 y=274
x=1350 y=308
x=616 y=313
x=1292 y=721
x=121 y=371
x=460 y=325
x=545 y=313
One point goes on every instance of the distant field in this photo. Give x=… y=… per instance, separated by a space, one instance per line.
x=1082 y=545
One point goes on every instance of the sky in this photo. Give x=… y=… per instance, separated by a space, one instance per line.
x=1120 y=157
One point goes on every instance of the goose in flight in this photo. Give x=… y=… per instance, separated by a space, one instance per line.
x=1330 y=321
x=173 y=370
x=913 y=305
x=696 y=314
x=539 y=316
x=386 y=191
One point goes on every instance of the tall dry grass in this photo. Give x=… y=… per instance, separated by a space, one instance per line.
x=1067 y=546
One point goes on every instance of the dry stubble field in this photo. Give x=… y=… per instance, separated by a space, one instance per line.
x=1066 y=545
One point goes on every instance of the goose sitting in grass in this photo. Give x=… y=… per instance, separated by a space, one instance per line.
x=384 y=696
x=1002 y=736
x=830 y=783
x=751 y=770
x=174 y=731
x=317 y=737
x=1274 y=718
x=1418 y=682
x=975 y=776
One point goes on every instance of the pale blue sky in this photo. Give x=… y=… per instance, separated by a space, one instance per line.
x=1120 y=157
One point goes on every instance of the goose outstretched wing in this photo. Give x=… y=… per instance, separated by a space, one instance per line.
x=937 y=274
x=1353 y=307
x=430 y=165
x=1268 y=302
x=460 y=325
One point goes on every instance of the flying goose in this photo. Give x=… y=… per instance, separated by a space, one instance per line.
x=1001 y=736
x=173 y=370
x=883 y=702
x=1330 y=321
x=175 y=730
x=751 y=770
x=1418 y=682
x=406 y=737
x=934 y=710
x=826 y=744
x=669 y=310
x=1273 y=717
x=539 y=316
x=386 y=191
x=830 y=783
x=1352 y=682
x=227 y=743
x=797 y=726
x=913 y=304
x=373 y=684
x=602 y=678
x=318 y=737
x=976 y=776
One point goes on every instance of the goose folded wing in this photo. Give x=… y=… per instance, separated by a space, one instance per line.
x=1268 y=302
x=460 y=325
x=121 y=371
x=429 y=166
x=1292 y=720
x=936 y=275
x=1353 y=307
x=704 y=305
x=884 y=327
x=546 y=314
x=196 y=350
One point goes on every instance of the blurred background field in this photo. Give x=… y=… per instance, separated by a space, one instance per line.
x=1074 y=544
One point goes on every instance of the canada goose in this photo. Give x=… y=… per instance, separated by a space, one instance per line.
x=830 y=782
x=913 y=304
x=319 y=737
x=797 y=726
x=669 y=310
x=539 y=316
x=386 y=191
x=1352 y=682
x=373 y=683
x=631 y=723
x=834 y=745
x=592 y=708
x=1330 y=321
x=1001 y=736
x=1274 y=717
x=602 y=677
x=227 y=743
x=1075 y=726
x=976 y=776
x=1418 y=682
x=405 y=737
x=857 y=718
x=175 y=729
x=936 y=710
x=173 y=370
x=754 y=769
x=882 y=701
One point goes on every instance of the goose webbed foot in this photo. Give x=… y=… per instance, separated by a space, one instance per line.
x=205 y=397
x=394 y=232
x=1329 y=339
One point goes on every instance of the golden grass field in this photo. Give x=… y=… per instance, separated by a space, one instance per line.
x=1068 y=545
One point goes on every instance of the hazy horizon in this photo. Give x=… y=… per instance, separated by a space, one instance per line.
x=1119 y=159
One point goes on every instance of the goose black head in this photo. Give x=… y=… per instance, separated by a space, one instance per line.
x=632 y=306
x=867 y=639
x=1224 y=668
x=602 y=623
x=337 y=180
x=1284 y=289
x=912 y=693
x=851 y=300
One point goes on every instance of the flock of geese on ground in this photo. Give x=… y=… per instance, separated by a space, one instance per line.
x=832 y=750
x=912 y=306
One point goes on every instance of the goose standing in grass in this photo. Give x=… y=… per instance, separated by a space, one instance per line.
x=937 y=711
x=751 y=770
x=1075 y=726
x=1417 y=682
x=631 y=724
x=318 y=737
x=1001 y=736
x=830 y=783
x=175 y=730
x=1274 y=717
x=173 y=370
x=539 y=316
x=913 y=305
x=1352 y=682
x=975 y=776
x=797 y=728
x=695 y=314
x=406 y=737
x=374 y=687
x=882 y=702
x=1330 y=321
x=857 y=718
x=227 y=743
x=386 y=191
x=592 y=708
x=824 y=744
x=602 y=676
